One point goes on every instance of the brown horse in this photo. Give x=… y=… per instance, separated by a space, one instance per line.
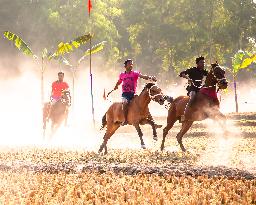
x=205 y=105
x=138 y=114
x=59 y=112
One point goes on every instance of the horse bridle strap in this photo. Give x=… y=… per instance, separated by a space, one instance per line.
x=218 y=79
x=152 y=97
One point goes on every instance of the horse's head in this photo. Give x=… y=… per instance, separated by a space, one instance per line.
x=155 y=93
x=219 y=76
x=66 y=98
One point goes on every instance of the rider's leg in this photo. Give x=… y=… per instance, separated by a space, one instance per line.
x=192 y=95
x=125 y=104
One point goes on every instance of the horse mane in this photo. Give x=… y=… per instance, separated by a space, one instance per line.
x=148 y=86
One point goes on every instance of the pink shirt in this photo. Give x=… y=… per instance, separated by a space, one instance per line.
x=129 y=81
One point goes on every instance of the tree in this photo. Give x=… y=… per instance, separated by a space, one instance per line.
x=241 y=60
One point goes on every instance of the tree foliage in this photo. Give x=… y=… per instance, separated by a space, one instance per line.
x=18 y=43
x=162 y=36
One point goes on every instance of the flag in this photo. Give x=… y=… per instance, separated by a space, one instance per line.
x=89 y=6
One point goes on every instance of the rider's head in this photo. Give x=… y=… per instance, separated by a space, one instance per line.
x=60 y=76
x=200 y=62
x=128 y=64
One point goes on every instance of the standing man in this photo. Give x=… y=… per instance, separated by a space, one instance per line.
x=129 y=79
x=195 y=77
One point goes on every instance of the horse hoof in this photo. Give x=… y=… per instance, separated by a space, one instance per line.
x=143 y=146
x=155 y=138
x=100 y=150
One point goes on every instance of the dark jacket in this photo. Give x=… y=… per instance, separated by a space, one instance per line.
x=196 y=75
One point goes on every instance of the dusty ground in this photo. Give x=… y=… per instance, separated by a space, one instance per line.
x=216 y=169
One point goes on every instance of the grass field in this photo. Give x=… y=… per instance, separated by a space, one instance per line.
x=216 y=169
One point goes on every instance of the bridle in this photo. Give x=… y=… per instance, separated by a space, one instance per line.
x=217 y=79
x=153 y=97
x=66 y=98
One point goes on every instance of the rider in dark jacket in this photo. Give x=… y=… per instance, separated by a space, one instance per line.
x=195 y=77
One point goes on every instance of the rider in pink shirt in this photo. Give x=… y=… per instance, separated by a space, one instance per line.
x=129 y=79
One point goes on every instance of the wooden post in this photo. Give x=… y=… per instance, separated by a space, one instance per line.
x=73 y=87
x=42 y=82
x=235 y=89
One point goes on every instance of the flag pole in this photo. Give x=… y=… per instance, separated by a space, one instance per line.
x=91 y=77
x=42 y=82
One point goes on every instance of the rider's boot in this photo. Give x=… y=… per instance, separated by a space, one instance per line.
x=192 y=95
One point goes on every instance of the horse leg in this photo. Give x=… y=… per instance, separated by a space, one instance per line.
x=153 y=125
x=185 y=127
x=54 y=128
x=166 y=130
x=66 y=118
x=221 y=120
x=110 y=131
x=152 y=119
x=171 y=119
x=137 y=126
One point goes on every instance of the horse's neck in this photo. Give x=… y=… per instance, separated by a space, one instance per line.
x=209 y=81
x=143 y=99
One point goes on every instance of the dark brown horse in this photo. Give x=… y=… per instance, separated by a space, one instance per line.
x=205 y=105
x=57 y=113
x=138 y=114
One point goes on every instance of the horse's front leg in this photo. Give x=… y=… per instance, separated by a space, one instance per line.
x=137 y=126
x=66 y=117
x=152 y=119
x=220 y=119
x=152 y=123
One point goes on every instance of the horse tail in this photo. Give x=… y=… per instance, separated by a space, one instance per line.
x=104 y=121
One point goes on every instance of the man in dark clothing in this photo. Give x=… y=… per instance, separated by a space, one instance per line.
x=195 y=77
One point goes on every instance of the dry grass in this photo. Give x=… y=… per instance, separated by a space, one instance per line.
x=110 y=188
x=207 y=174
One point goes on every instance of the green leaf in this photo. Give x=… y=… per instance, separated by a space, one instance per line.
x=242 y=59
x=95 y=49
x=64 y=48
x=237 y=60
x=248 y=61
x=19 y=43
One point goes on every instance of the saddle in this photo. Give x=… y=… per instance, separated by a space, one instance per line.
x=212 y=95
